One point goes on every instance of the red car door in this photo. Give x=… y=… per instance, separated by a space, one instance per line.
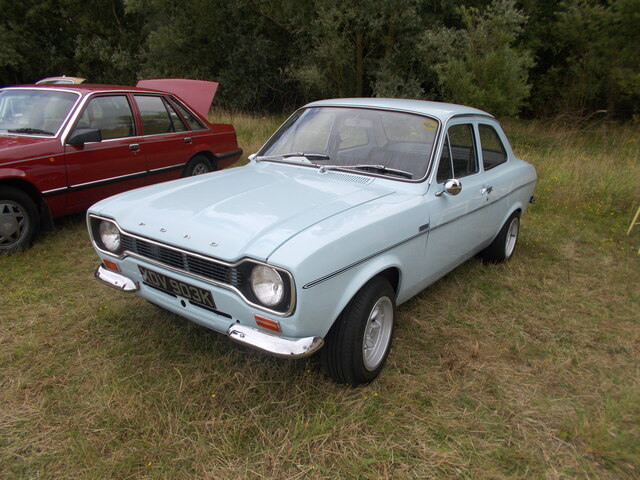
x=96 y=170
x=167 y=142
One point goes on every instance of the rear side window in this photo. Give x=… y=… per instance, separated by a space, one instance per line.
x=493 y=151
x=158 y=116
x=458 y=158
x=192 y=121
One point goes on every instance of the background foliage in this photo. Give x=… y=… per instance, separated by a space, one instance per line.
x=532 y=57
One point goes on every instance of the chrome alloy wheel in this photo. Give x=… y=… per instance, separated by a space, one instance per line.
x=200 y=169
x=512 y=237
x=14 y=224
x=377 y=333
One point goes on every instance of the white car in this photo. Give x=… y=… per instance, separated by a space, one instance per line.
x=351 y=208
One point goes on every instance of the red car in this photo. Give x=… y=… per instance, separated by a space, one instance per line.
x=64 y=147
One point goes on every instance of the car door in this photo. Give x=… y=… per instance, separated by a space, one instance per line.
x=166 y=140
x=457 y=224
x=96 y=170
x=494 y=156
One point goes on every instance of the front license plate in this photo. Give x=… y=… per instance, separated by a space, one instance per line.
x=196 y=295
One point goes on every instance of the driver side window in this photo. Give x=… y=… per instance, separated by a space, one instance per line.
x=110 y=114
x=459 y=157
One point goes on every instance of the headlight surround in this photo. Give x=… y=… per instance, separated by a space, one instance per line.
x=110 y=236
x=267 y=285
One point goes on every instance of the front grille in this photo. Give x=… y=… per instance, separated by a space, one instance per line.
x=184 y=261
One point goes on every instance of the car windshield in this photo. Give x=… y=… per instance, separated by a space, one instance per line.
x=381 y=142
x=34 y=112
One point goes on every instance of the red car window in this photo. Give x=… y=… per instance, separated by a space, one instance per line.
x=111 y=114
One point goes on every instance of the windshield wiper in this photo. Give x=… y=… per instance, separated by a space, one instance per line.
x=30 y=131
x=307 y=155
x=373 y=169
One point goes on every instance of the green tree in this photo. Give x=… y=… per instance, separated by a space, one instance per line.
x=54 y=37
x=621 y=42
x=34 y=40
x=587 y=60
x=358 y=48
x=106 y=44
x=601 y=64
x=226 y=41
x=482 y=64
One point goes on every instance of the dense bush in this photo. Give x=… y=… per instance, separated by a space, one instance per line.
x=540 y=57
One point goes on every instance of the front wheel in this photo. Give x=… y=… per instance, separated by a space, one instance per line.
x=503 y=246
x=19 y=220
x=358 y=343
x=198 y=165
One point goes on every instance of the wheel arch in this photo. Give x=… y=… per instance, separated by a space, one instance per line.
x=515 y=208
x=345 y=358
x=346 y=288
x=46 y=218
x=209 y=155
x=392 y=274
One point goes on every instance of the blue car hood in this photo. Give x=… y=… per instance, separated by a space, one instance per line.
x=245 y=211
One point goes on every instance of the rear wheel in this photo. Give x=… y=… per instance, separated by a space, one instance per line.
x=198 y=165
x=503 y=246
x=358 y=344
x=19 y=220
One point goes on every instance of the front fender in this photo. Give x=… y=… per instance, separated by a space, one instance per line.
x=12 y=173
x=320 y=304
x=332 y=259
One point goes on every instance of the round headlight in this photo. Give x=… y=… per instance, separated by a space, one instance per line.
x=267 y=285
x=110 y=236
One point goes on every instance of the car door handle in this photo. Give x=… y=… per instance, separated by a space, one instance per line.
x=134 y=147
x=486 y=190
x=187 y=140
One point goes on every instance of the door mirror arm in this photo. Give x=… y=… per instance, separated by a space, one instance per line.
x=451 y=186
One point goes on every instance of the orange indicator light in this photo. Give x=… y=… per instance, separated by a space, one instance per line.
x=111 y=265
x=268 y=324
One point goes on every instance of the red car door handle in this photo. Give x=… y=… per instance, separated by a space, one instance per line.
x=134 y=147
x=187 y=140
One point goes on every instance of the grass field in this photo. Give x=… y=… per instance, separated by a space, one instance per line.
x=526 y=370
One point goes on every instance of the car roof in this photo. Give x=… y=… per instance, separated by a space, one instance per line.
x=85 y=88
x=197 y=94
x=439 y=110
x=61 y=80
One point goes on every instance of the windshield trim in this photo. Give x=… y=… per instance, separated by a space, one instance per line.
x=260 y=156
x=58 y=132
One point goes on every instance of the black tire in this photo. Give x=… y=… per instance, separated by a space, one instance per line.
x=198 y=165
x=343 y=357
x=19 y=220
x=504 y=245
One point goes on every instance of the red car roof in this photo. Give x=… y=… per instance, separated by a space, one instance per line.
x=198 y=94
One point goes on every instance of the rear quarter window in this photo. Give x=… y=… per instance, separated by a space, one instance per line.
x=493 y=151
x=192 y=121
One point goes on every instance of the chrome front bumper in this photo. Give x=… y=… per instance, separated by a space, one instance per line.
x=116 y=280
x=274 y=345
x=242 y=334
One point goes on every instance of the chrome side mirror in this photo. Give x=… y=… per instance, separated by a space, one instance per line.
x=452 y=187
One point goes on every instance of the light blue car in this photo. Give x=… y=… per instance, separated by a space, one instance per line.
x=350 y=209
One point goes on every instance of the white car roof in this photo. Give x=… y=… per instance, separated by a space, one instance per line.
x=441 y=111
